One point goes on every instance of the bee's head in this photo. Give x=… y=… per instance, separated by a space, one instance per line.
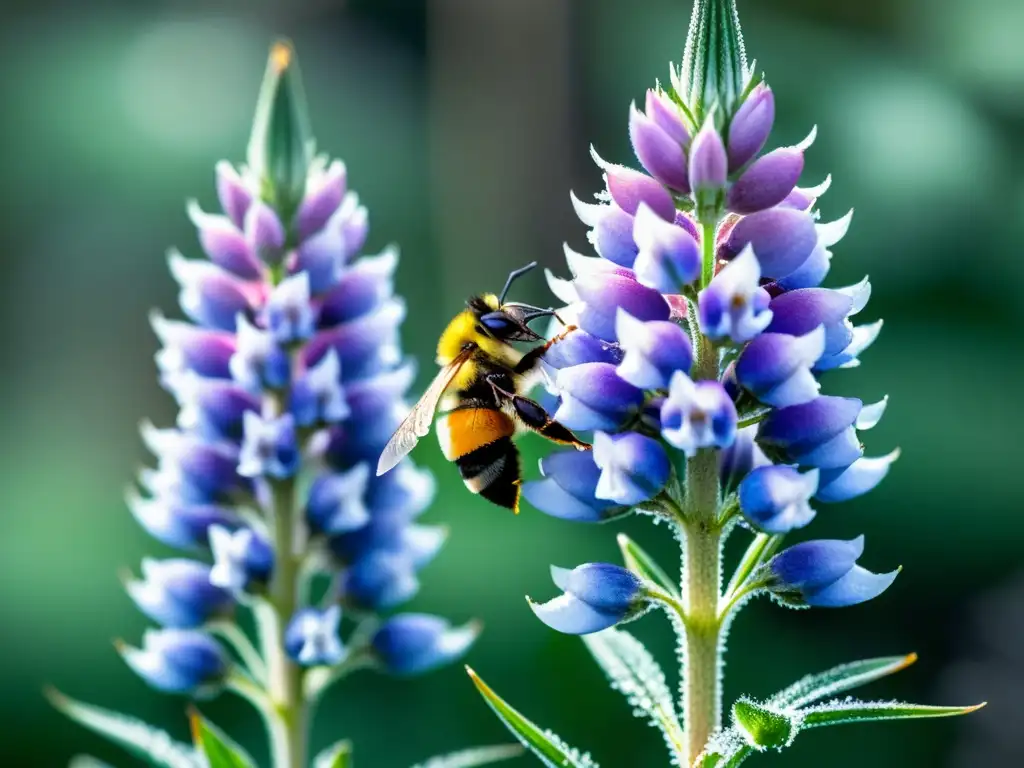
x=507 y=321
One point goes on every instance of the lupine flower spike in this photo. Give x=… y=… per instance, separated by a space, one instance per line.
x=289 y=375
x=703 y=335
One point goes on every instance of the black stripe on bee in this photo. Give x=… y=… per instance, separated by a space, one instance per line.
x=493 y=471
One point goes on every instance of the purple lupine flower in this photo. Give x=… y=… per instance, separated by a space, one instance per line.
x=776 y=368
x=269 y=447
x=660 y=140
x=569 y=488
x=242 y=560
x=856 y=479
x=820 y=433
x=824 y=574
x=594 y=396
x=653 y=351
x=697 y=415
x=734 y=305
x=633 y=467
x=595 y=596
x=179 y=594
x=668 y=256
x=179 y=661
x=750 y=126
x=312 y=638
x=413 y=643
x=776 y=499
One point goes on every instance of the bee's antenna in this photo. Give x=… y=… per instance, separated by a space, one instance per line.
x=513 y=276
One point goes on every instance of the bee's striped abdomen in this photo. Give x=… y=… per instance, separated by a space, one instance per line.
x=464 y=430
x=493 y=472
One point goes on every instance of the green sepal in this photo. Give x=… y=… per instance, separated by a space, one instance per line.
x=763 y=726
x=138 y=738
x=474 y=756
x=714 y=73
x=644 y=566
x=338 y=755
x=634 y=672
x=217 y=746
x=548 y=748
x=856 y=711
x=844 y=677
x=281 y=145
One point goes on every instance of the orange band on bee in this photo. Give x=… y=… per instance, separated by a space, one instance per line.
x=466 y=429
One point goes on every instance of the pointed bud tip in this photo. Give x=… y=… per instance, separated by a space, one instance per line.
x=281 y=55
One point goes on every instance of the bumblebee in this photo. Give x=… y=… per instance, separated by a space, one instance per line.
x=476 y=394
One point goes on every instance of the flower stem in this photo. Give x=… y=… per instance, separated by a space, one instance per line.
x=702 y=572
x=287 y=720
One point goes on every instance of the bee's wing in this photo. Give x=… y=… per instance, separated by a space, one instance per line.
x=417 y=423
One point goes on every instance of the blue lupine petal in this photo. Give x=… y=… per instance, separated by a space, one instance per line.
x=776 y=368
x=311 y=638
x=209 y=295
x=805 y=426
x=366 y=345
x=336 y=502
x=324 y=255
x=604 y=586
x=604 y=293
x=594 y=397
x=767 y=182
x=234 y=196
x=776 y=499
x=697 y=415
x=178 y=593
x=581 y=347
x=224 y=243
x=413 y=643
x=783 y=239
x=628 y=188
x=177 y=523
x=572 y=616
x=241 y=559
x=734 y=305
x=844 y=483
x=187 y=348
x=323 y=197
x=815 y=564
x=269 y=448
x=653 y=351
x=361 y=288
x=317 y=397
x=259 y=362
x=289 y=314
x=214 y=408
x=708 y=163
x=198 y=470
x=634 y=468
x=178 y=661
x=857 y=586
x=740 y=458
x=264 y=233
x=568 y=490
x=750 y=126
x=380 y=580
x=668 y=257
x=659 y=153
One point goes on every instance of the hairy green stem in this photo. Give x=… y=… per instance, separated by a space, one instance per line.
x=288 y=715
x=702 y=571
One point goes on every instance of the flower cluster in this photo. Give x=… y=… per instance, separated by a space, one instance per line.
x=703 y=327
x=290 y=379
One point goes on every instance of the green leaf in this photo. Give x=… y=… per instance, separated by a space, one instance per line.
x=551 y=750
x=764 y=727
x=87 y=761
x=634 y=672
x=338 y=755
x=644 y=566
x=220 y=750
x=474 y=756
x=856 y=711
x=143 y=740
x=845 y=677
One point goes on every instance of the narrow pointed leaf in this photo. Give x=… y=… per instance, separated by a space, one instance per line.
x=217 y=746
x=140 y=739
x=87 y=761
x=855 y=711
x=548 y=748
x=474 y=756
x=763 y=726
x=644 y=566
x=338 y=755
x=844 y=677
x=634 y=672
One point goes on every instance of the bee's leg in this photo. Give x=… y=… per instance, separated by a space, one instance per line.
x=531 y=358
x=536 y=418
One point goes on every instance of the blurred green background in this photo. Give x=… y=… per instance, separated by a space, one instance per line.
x=464 y=124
